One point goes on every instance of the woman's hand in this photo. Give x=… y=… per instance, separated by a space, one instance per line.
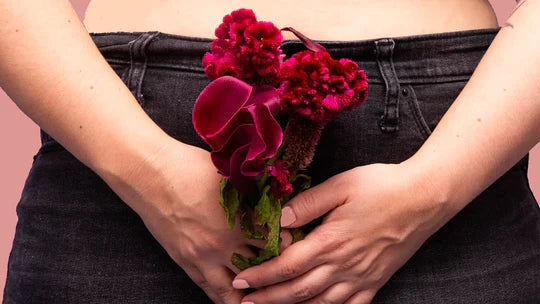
x=378 y=217
x=176 y=194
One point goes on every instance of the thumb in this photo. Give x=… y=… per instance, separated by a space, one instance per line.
x=312 y=203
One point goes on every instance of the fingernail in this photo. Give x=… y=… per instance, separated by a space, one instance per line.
x=247 y=302
x=240 y=284
x=286 y=238
x=287 y=216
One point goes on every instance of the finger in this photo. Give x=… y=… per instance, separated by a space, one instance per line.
x=197 y=277
x=294 y=261
x=361 y=297
x=219 y=285
x=256 y=243
x=312 y=203
x=337 y=293
x=304 y=287
x=286 y=239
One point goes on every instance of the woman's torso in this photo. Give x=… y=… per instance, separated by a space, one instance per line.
x=343 y=20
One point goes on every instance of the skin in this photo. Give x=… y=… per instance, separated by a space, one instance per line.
x=343 y=20
x=46 y=48
x=347 y=261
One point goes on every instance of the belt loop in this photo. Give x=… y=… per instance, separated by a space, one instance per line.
x=135 y=74
x=44 y=137
x=389 y=121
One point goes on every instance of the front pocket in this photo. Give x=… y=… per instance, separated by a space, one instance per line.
x=429 y=102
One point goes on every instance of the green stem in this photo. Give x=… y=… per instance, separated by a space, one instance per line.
x=280 y=150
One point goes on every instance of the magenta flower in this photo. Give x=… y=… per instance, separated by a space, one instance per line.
x=319 y=87
x=280 y=179
x=237 y=121
x=246 y=49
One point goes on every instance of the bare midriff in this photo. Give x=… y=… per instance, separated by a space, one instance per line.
x=317 y=19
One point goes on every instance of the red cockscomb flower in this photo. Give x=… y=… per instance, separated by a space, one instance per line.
x=280 y=179
x=319 y=87
x=246 y=49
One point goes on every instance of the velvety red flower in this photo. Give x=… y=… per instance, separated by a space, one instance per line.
x=246 y=49
x=233 y=25
x=237 y=121
x=319 y=87
x=280 y=179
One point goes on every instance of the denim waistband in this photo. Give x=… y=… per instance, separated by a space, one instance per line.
x=424 y=58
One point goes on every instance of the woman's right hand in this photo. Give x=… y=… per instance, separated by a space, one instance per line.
x=178 y=201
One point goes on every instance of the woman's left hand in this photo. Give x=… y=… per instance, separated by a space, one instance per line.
x=378 y=216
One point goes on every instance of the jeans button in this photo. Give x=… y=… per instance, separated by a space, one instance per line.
x=405 y=92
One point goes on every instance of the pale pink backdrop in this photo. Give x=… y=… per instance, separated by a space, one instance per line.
x=20 y=141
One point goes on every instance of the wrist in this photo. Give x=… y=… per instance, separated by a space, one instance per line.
x=435 y=203
x=134 y=168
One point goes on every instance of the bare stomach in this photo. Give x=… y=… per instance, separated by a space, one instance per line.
x=341 y=20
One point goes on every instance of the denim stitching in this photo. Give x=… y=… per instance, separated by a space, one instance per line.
x=417 y=113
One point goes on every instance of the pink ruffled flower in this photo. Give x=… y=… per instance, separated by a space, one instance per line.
x=280 y=179
x=246 y=49
x=237 y=121
x=319 y=87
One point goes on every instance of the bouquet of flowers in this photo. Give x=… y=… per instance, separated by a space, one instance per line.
x=262 y=164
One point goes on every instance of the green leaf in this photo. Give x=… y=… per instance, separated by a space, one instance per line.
x=247 y=227
x=274 y=228
x=263 y=208
x=306 y=183
x=240 y=261
x=228 y=199
x=296 y=234
x=271 y=216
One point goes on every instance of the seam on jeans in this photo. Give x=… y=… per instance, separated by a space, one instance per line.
x=138 y=60
x=421 y=123
x=182 y=67
x=389 y=121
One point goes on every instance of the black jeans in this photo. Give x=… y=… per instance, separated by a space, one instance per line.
x=77 y=242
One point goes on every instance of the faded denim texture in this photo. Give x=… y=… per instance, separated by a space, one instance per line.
x=77 y=242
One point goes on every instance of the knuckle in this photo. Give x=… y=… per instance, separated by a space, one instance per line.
x=362 y=267
x=211 y=243
x=378 y=278
x=288 y=270
x=306 y=201
x=323 y=300
x=368 y=297
x=189 y=251
x=328 y=240
x=223 y=291
x=302 y=292
x=348 y=262
x=202 y=283
x=193 y=250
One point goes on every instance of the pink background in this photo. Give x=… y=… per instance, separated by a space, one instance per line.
x=20 y=137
